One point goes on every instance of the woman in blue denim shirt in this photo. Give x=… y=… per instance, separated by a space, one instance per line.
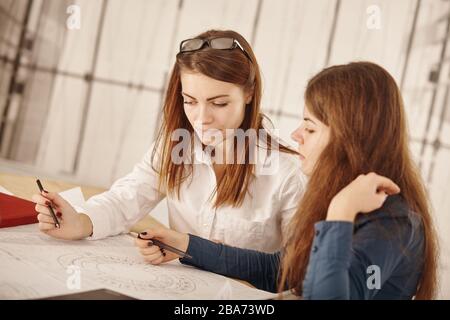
x=356 y=234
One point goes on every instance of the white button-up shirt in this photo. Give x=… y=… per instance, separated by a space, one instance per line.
x=259 y=223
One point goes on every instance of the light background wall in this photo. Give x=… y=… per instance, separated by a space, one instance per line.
x=84 y=104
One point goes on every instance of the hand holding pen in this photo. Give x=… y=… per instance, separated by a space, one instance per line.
x=48 y=204
x=58 y=218
x=160 y=244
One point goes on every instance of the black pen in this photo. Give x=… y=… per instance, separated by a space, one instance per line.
x=55 y=219
x=164 y=246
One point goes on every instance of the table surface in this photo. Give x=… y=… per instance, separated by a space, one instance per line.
x=24 y=186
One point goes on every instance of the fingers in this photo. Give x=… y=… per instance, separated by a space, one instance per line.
x=158 y=260
x=46 y=211
x=153 y=254
x=46 y=222
x=149 y=250
x=55 y=198
x=382 y=183
x=386 y=185
x=155 y=232
x=42 y=209
x=45 y=218
x=43 y=204
x=40 y=199
x=140 y=243
x=44 y=226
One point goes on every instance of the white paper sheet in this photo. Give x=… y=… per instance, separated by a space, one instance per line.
x=3 y=190
x=74 y=196
x=33 y=265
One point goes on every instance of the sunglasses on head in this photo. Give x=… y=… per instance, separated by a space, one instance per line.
x=222 y=43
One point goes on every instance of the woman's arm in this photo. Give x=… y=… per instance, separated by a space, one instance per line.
x=343 y=265
x=128 y=200
x=342 y=262
x=258 y=268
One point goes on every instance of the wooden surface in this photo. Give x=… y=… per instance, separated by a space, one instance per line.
x=25 y=186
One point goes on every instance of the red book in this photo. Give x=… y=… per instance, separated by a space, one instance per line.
x=16 y=211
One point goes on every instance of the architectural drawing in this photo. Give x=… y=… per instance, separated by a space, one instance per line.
x=129 y=273
x=113 y=263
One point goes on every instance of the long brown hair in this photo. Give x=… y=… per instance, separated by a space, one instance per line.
x=363 y=107
x=231 y=66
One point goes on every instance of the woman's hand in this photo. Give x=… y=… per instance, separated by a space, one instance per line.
x=73 y=225
x=364 y=194
x=152 y=253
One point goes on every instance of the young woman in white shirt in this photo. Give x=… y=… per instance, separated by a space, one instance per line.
x=215 y=86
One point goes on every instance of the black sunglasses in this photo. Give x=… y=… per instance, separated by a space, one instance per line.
x=223 y=43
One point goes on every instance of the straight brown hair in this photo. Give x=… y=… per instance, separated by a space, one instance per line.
x=363 y=107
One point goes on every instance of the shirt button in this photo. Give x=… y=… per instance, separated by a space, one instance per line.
x=317 y=232
x=315 y=249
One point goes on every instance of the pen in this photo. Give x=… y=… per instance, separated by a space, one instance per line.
x=164 y=246
x=55 y=219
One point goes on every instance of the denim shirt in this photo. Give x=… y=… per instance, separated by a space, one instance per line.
x=379 y=256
